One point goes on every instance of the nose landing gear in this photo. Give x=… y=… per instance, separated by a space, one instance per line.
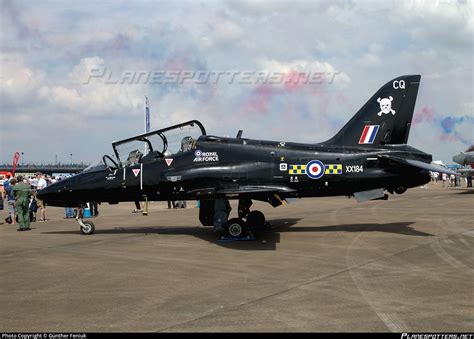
x=86 y=227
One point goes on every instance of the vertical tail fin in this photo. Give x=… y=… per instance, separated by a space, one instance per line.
x=385 y=118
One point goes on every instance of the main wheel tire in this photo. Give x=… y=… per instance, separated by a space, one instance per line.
x=235 y=228
x=256 y=219
x=88 y=228
x=400 y=190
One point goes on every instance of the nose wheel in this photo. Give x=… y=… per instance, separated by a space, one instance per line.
x=86 y=227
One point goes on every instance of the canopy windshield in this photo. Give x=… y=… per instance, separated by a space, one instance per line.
x=159 y=143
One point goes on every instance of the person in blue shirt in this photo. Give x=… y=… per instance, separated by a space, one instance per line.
x=8 y=187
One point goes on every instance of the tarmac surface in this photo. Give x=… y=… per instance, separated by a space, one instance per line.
x=328 y=265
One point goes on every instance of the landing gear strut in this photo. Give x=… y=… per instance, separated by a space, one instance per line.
x=254 y=219
x=244 y=207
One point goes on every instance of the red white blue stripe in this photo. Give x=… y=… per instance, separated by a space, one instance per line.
x=368 y=134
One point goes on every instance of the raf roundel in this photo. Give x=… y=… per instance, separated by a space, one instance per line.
x=198 y=153
x=315 y=169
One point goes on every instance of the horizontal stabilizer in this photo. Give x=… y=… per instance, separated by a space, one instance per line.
x=419 y=164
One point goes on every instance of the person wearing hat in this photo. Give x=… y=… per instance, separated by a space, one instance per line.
x=22 y=193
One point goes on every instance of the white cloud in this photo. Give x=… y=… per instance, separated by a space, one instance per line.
x=83 y=72
x=17 y=80
x=93 y=98
x=369 y=60
x=50 y=47
x=442 y=23
x=332 y=74
x=61 y=96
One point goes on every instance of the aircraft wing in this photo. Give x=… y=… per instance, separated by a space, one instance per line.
x=418 y=164
x=247 y=189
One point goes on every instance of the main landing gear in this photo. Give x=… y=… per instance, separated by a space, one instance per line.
x=235 y=228
x=215 y=212
x=247 y=222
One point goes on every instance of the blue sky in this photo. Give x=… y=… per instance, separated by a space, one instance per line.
x=48 y=49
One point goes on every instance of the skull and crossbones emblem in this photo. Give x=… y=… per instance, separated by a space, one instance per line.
x=385 y=106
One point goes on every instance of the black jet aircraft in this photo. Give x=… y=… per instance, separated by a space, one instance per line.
x=366 y=159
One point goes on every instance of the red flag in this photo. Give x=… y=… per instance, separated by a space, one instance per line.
x=16 y=158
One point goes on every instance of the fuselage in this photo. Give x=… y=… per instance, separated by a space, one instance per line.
x=227 y=165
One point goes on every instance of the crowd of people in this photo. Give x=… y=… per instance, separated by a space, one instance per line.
x=19 y=196
x=450 y=180
x=23 y=206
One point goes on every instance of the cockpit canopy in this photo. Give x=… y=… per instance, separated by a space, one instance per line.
x=157 y=144
x=150 y=146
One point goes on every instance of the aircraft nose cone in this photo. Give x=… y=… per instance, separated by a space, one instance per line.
x=54 y=194
x=60 y=193
x=45 y=193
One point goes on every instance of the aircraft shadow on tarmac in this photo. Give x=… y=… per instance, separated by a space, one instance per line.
x=467 y=191
x=394 y=227
x=264 y=240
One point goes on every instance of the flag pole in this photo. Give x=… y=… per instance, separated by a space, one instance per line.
x=147 y=115
x=147 y=120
